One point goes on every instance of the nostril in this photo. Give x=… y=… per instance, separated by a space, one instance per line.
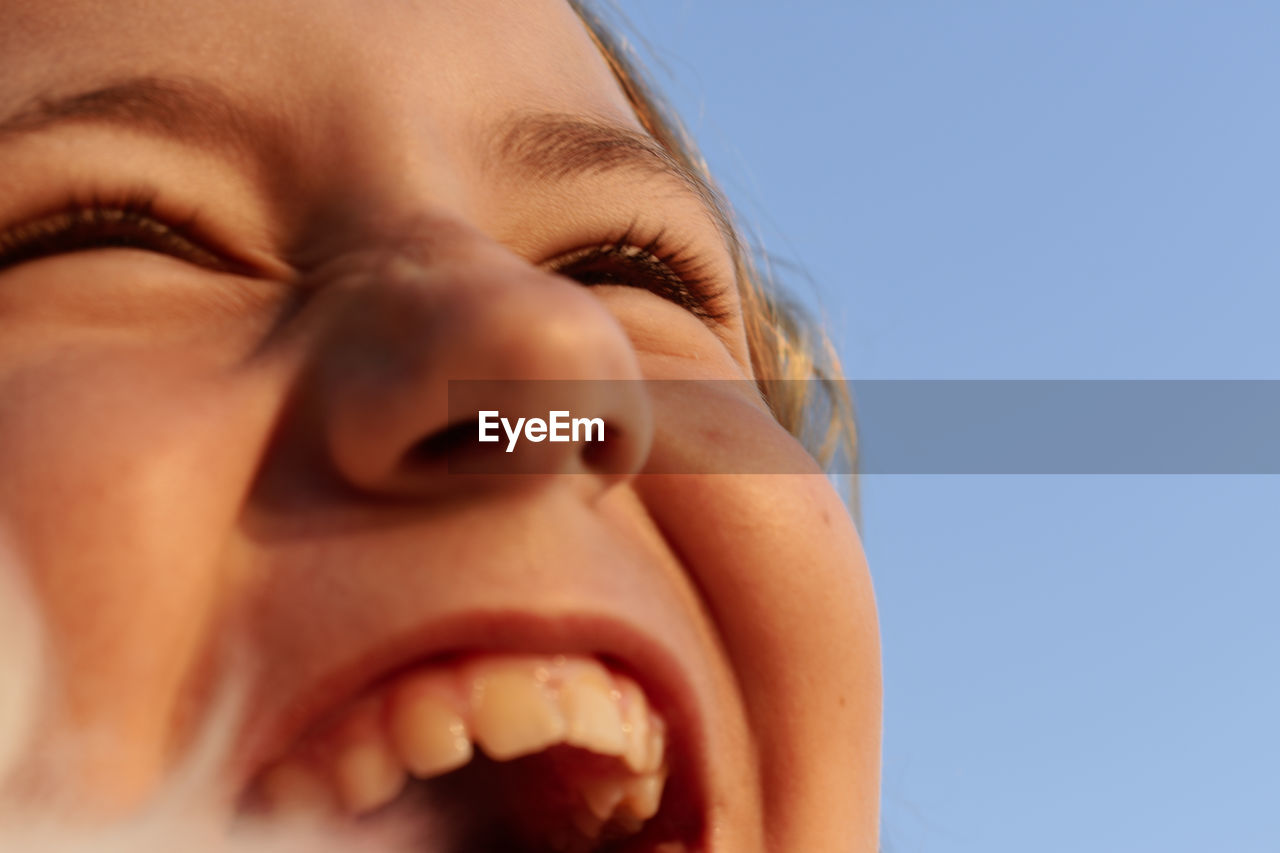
x=444 y=444
x=457 y=449
x=605 y=455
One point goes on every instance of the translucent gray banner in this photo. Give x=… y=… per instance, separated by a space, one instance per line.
x=903 y=426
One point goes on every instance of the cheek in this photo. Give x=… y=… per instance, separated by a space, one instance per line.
x=761 y=528
x=124 y=470
x=129 y=421
x=782 y=572
x=786 y=582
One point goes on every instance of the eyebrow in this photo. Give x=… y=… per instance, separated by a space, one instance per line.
x=549 y=147
x=186 y=109
x=554 y=147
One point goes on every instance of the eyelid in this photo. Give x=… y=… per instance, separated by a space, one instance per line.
x=674 y=272
x=132 y=219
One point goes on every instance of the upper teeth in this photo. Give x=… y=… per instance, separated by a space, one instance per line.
x=424 y=724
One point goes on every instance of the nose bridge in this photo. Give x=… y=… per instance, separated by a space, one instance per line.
x=455 y=311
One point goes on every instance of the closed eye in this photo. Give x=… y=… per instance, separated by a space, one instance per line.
x=676 y=275
x=81 y=226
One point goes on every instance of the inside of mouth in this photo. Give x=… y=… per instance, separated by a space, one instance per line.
x=527 y=805
x=512 y=752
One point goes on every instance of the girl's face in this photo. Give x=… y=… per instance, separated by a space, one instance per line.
x=246 y=245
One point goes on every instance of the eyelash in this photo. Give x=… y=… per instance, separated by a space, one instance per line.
x=129 y=221
x=672 y=271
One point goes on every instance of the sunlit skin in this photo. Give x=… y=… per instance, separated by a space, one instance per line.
x=200 y=455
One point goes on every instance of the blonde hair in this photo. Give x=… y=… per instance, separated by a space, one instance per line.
x=794 y=361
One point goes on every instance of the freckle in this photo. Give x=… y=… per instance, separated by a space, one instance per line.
x=842 y=702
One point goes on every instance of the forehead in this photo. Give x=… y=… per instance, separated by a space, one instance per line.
x=432 y=64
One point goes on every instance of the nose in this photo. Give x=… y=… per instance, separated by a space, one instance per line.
x=423 y=336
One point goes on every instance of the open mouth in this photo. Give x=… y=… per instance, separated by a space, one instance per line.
x=498 y=752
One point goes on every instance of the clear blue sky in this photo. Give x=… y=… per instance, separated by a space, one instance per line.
x=1067 y=189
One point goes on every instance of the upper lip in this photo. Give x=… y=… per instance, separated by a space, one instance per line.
x=654 y=666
